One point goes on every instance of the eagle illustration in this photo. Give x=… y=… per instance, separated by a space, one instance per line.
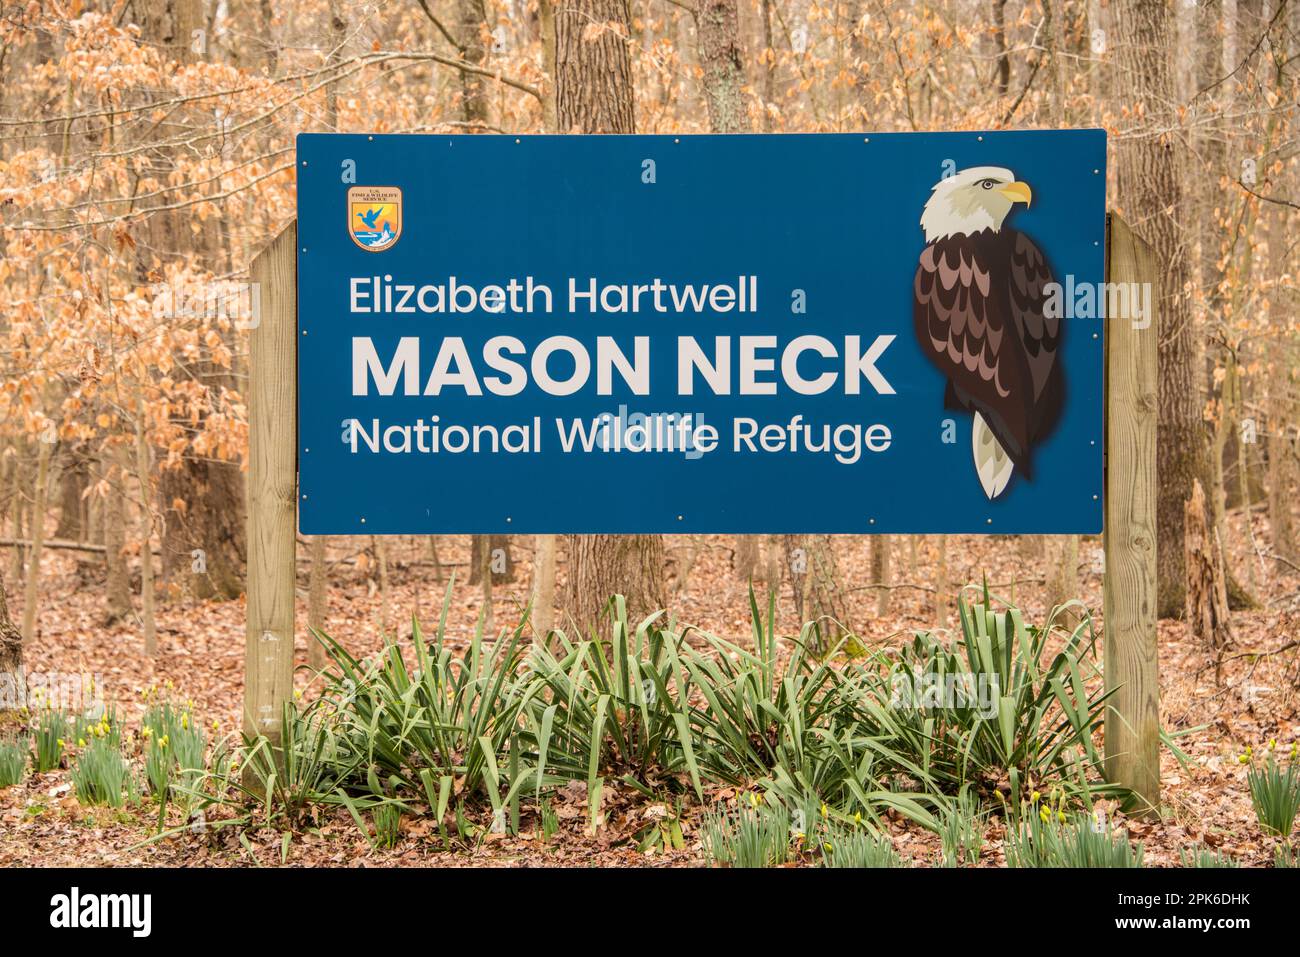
x=980 y=318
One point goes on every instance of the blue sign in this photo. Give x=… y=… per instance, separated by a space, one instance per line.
x=618 y=334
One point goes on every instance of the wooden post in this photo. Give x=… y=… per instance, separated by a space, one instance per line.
x=272 y=487
x=1133 y=714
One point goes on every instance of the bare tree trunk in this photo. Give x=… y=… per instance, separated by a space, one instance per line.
x=380 y=544
x=200 y=506
x=1055 y=10
x=1248 y=509
x=31 y=595
x=484 y=570
x=1207 y=591
x=317 y=602
x=433 y=557
x=1150 y=179
x=500 y=562
x=593 y=88
x=818 y=590
x=605 y=565
x=1003 y=58
x=796 y=567
x=769 y=66
x=11 y=658
x=117 y=598
x=941 y=584
x=146 y=535
x=746 y=559
x=318 y=580
x=773 y=574
x=880 y=548
x=203 y=532
x=16 y=505
x=690 y=551
x=543 y=613
x=1280 y=474
x=1031 y=549
x=1063 y=575
x=473 y=49
x=593 y=94
x=72 y=487
x=546 y=20
x=1279 y=383
x=722 y=58
x=338 y=37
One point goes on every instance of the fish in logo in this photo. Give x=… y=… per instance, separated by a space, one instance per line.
x=374 y=216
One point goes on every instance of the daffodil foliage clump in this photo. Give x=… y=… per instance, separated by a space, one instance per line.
x=938 y=732
x=1274 y=789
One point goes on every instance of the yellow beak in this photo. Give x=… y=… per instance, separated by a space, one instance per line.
x=1017 y=192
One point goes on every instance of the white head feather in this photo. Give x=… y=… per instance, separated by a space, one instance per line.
x=962 y=203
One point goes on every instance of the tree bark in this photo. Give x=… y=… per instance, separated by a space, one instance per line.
x=880 y=548
x=1280 y=474
x=117 y=596
x=941 y=583
x=203 y=540
x=593 y=83
x=1150 y=179
x=1002 y=57
x=1063 y=575
x=593 y=94
x=146 y=535
x=818 y=592
x=31 y=596
x=472 y=15
x=11 y=658
x=722 y=58
x=72 y=487
x=745 y=562
x=546 y=21
x=605 y=565
x=769 y=65
x=543 y=612
x=1207 y=591
x=1279 y=381
x=380 y=544
x=200 y=500
x=17 y=503
x=499 y=560
x=317 y=602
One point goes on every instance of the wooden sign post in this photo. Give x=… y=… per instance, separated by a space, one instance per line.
x=272 y=487
x=1132 y=717
x=1133 y=714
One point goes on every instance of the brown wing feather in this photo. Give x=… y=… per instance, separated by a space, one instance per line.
x=965 y=328
x=1040 y=333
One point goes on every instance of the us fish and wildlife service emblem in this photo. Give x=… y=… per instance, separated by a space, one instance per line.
x=374 y=216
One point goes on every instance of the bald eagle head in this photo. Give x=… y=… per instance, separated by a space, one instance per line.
x=972 y=200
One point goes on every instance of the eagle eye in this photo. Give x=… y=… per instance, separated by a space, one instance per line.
x=987 y=184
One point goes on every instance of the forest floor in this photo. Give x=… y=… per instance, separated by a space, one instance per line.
x=201 y=655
